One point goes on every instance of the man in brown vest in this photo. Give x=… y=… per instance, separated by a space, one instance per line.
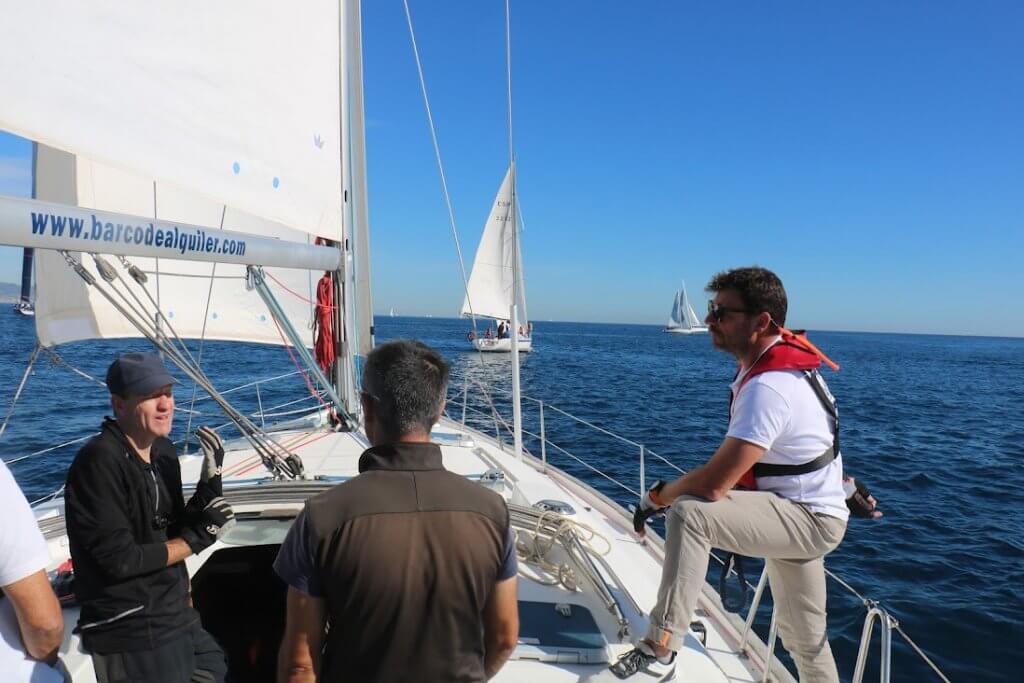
x=413 y=567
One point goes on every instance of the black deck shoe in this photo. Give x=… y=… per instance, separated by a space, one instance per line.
x=644 y=664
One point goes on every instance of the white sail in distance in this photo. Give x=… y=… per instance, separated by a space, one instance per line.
x=686 y=308
x=497 y=275
x=683 y=318
x=675 y=318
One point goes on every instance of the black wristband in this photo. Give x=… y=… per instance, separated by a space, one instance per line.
x=197 y=541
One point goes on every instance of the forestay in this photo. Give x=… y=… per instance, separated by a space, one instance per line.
x=498 y=262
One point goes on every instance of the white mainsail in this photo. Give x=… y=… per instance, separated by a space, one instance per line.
x=182 y=112
x=497 y=275
x=235 y=100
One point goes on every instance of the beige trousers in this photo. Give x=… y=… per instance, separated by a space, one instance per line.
x=793 y=541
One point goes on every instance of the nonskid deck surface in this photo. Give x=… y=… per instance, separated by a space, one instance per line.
x=566 y=635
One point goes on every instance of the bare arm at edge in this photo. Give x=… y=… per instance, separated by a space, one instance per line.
x=298 y=660
x=39 y=616
x=177 y=550
x=501 y=626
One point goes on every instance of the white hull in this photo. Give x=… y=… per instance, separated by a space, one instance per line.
x=627 y=574
x=24 y=309
x=686 y=330
x=502 y=345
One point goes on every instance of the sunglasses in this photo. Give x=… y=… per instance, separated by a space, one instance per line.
x=717 y=311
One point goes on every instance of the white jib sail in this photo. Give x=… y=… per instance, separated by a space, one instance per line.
x=237 y=101
x=691 y=317
x=498 y=263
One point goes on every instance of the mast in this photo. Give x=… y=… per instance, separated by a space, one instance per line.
x=352 y=281
x=26 y=276
x=517 y=411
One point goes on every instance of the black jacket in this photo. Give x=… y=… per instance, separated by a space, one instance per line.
x=120 y=511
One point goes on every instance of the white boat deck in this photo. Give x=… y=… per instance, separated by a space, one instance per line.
x=558 y=642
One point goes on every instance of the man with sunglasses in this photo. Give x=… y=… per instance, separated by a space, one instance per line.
x=782 y=447
x=130 y=531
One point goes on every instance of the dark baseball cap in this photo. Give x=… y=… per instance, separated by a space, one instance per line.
x=137 y=374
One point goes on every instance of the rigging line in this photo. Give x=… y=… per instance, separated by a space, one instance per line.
x=202 y=336
x=920 y=653
x=440 y=165
x=21 y=387
x=296 y=294
x=50 y=449
x=157 y=261
x=273 y=461
x=158 y=312
x=514 y=208
x=48 y=496
x=508 y=72
x=59 y=360
x=295 y=362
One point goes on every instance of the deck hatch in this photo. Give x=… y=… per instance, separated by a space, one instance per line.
x=549 y=632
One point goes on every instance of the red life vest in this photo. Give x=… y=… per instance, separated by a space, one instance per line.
x=794 y=352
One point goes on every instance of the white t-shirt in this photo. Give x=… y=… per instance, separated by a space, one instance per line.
x=23 y=552
x=779 y=411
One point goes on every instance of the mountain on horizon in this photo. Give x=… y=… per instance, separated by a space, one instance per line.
x=9 y=292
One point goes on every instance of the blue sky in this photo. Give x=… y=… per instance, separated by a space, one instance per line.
x=871 y=153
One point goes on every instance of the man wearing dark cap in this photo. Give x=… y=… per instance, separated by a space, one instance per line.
x=414 y=567
x=130 y=532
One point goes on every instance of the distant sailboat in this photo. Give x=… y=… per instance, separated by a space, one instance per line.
x=683 y=319
x=391 y=313
x=497 y=277
x=24 y=305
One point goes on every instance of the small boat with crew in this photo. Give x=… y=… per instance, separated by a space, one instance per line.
x=24 y=304
x=496 y=281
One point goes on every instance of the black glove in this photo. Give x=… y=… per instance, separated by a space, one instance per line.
x=211 y=522
x=213 y=462
x=650 y=505
x=860 y=501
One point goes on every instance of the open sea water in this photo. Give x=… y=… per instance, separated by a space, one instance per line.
x=933 y=424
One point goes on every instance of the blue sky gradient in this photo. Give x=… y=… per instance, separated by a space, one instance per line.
x=871 y=153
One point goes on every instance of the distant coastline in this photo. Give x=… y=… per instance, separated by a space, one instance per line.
x=812 y=331
x=9 y=293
